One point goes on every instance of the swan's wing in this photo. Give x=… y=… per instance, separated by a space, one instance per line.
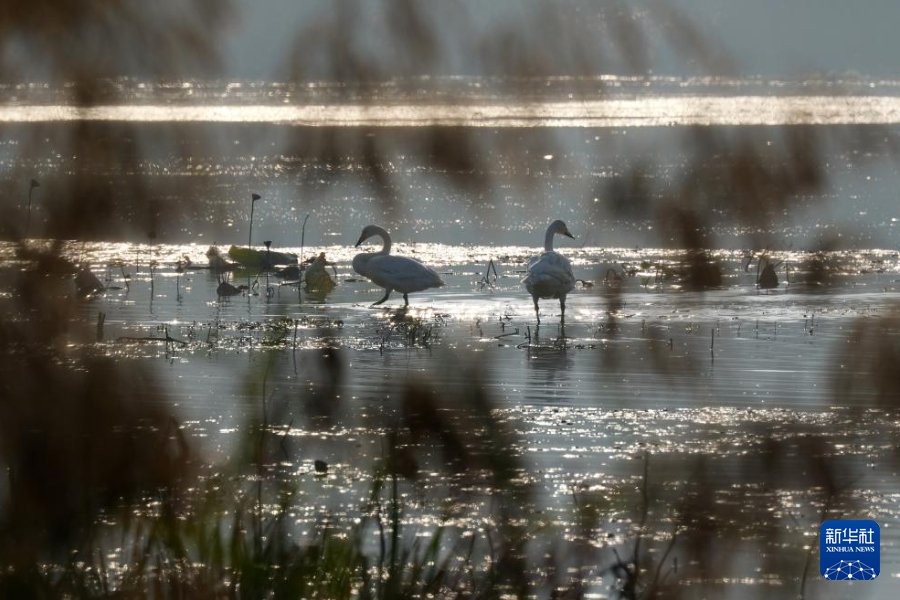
x=361 y=263
x=549 y=275
x=402 y=274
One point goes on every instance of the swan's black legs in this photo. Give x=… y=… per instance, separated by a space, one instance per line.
x=383 y=300
x=562 y=308
x=406 y=299
x=536 y=313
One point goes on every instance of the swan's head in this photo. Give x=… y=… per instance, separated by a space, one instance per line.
x=559 y=227
x=367 y=232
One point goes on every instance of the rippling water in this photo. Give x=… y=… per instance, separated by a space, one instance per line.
x=633 y=370
x=614 y=112
x=641 y=365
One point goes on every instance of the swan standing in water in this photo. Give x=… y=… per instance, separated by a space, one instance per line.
x=550 y=274
x=406 y=275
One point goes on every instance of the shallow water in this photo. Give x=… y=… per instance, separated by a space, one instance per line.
x=641 y=366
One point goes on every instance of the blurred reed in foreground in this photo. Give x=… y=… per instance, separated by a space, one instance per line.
x=86 y=441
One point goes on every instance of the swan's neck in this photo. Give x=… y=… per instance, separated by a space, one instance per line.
x=386 y=238
x=548 y=240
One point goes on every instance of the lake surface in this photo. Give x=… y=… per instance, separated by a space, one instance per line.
x=612 y=112
x=643 y=367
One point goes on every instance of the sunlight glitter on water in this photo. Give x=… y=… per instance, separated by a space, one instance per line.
x=583 y=399
x=615 y=112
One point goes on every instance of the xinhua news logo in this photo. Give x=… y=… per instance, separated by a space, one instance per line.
x=849 y=550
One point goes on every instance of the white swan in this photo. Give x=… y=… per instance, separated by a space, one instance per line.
x=406 y=275
x=550 y=274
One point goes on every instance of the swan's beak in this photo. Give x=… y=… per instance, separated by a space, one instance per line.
x=568 y=234
x=359 y=243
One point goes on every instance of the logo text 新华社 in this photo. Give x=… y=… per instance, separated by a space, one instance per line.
x=849 y=550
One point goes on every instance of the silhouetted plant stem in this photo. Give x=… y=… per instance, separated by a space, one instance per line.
x=253 y=199
x=31 y=187
x=815 y=544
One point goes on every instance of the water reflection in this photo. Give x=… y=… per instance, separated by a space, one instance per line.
x=548 y=354
x=557 y=419
x=612 y=112
x=674 y=440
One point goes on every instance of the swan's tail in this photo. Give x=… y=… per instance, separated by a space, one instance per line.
x=436 y=279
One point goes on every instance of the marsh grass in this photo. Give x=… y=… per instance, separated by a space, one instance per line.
x=230 y=536
x=196 y=530
x=88 y=442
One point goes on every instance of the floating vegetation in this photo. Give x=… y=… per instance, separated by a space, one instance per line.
x=316 y=278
